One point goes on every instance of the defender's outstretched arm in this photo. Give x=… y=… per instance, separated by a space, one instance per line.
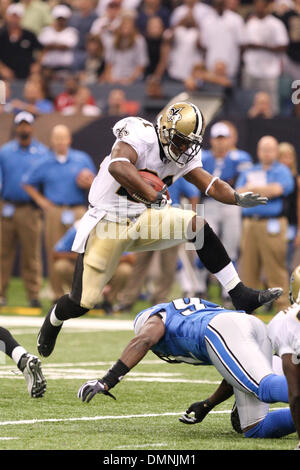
x=137 y=348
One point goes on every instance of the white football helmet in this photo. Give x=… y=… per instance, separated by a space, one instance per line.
x=180 y=130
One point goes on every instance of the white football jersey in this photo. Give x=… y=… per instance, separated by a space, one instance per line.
x=106 y=193
x=284 y=331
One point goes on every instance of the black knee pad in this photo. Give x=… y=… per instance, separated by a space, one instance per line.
x=66 y=308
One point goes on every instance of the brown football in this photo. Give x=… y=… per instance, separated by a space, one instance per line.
x=153 y=180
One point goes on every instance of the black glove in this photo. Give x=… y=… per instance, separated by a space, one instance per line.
x=88 y=390
x=200 y=408
x=160 y=202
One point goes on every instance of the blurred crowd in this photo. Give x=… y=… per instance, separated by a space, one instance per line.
x=225 y=43
x=44 y=193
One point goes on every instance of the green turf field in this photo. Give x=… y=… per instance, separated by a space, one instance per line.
x=145 y=416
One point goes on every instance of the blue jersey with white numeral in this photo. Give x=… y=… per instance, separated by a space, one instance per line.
x=185 y=326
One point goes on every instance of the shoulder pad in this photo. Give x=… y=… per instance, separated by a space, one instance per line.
x=135 y=128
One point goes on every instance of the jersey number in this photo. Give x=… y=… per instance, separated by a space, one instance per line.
x=146 y=123
x=188 y=306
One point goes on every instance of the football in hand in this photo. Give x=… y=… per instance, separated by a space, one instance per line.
x=153 y=180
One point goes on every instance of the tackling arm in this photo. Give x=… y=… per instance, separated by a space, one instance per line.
x=292 y=372
x=222 y=191
x=152 y=331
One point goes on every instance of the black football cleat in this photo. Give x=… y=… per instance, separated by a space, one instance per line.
x=235 y=419
x=47 y=337
x=32 y=370
x=245 y=298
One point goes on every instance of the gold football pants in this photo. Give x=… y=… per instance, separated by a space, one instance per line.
x=152 y=230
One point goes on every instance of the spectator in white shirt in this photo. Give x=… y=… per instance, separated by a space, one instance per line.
x=108 y=22
x=184 y=48
x=59 y=41
x=200 y=12
x=126 y=57
x=266 y=40
x=222 y=36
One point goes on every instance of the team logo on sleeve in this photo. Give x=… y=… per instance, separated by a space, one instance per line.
x=123 y=132
x=174 y=114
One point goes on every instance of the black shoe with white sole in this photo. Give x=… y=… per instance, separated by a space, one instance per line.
x=47 y=337
x=32 y=370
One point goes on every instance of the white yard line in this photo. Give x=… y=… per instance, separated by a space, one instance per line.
x=60 y=375
x=131 y=446
x=89 y=324
x=102 y=418
x=8 y=438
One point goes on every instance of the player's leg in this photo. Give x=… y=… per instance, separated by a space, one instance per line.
x=93 y=270
x=54 y=230
x=214 y=257
x=231 y=235
x=29 y=226
x=240 y=349
x=273 y=254
x=256 y=421
x=28 y=364
x=213 y=216
x=8 y=240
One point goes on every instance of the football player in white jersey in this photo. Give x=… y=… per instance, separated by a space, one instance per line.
x=284 y=334
x=117 y=222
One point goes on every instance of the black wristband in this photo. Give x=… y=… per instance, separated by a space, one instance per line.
x=115 y=374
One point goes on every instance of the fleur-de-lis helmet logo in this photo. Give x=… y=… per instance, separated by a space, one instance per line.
x=174 y=114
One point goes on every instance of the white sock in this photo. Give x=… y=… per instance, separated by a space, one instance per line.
x=17 y=353
x=53 y=318
x=228 y=277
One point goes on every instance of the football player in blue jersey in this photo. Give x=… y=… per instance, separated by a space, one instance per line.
x=284 y=335
x=196 y=331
